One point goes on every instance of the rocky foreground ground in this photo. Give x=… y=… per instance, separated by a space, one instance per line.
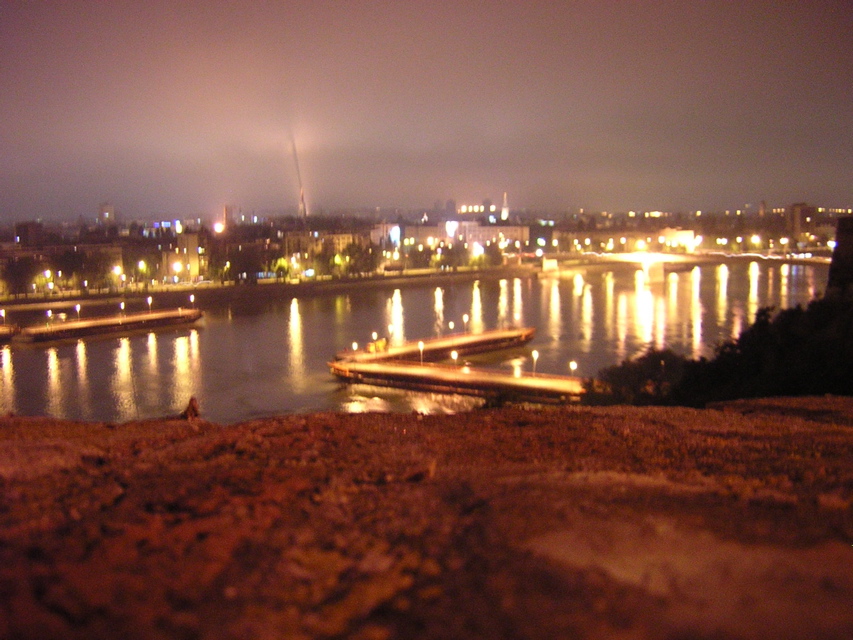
x=734 y=522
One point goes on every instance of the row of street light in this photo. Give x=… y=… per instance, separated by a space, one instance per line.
x=454 y=355
x=121 y=307
x=535 y=355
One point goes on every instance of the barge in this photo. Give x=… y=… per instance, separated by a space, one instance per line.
x=124 y=323
x=496 y=386
x=435 y=349
x=411 y=366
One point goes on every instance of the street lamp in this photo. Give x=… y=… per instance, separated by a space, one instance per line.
x=454 y=355
x=450 y=325
x=355 y=346
x=573 y=366
x=3 y=315
x=421 y=349
x=535 y=355
x=150 y=300
x=192 y=300
x=77 y=309
x=465 y=322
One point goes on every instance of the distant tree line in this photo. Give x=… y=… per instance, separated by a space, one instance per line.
x=795 y=352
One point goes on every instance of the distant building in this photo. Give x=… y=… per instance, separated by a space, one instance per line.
x=677 y=239
x=228 y=218
x=185 y=263
x=467 y=231
x=29 y=234
x=107 y=214
x=386 y=234
x=800 y=215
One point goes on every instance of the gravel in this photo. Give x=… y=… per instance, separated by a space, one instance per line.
x=730 y=522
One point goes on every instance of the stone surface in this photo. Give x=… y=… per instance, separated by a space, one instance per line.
x=731 y=522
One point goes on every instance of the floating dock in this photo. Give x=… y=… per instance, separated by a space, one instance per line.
x=410 y=366
x=7 y=331
x=496 y=386
x=435 y=349
x=125 y=323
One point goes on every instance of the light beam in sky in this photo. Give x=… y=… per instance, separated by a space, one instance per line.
x=303 y=209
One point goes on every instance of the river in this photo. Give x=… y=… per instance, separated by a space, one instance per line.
x=269 y=357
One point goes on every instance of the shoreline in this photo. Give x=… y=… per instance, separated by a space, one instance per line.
x=216 y=295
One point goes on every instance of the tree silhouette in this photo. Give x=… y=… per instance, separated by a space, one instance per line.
x=19 y=274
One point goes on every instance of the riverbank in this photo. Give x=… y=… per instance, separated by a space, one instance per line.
x=213 y=295
x=733 y=522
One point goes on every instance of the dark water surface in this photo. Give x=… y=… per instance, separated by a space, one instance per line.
x=270 y=357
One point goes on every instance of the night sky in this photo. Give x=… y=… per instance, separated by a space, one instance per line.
x=177 y=108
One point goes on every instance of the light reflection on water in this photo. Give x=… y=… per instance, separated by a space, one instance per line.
x=271 y=356
x=297 y=349
x=396 y=329
x=7 y=389
x=476 y=325
x=54 y=383
x=438 y=311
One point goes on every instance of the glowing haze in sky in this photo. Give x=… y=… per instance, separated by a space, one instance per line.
x=177 y=108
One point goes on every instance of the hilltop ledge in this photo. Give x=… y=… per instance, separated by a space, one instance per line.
x=730 y=522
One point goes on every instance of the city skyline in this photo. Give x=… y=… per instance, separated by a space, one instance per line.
x=173 y=110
